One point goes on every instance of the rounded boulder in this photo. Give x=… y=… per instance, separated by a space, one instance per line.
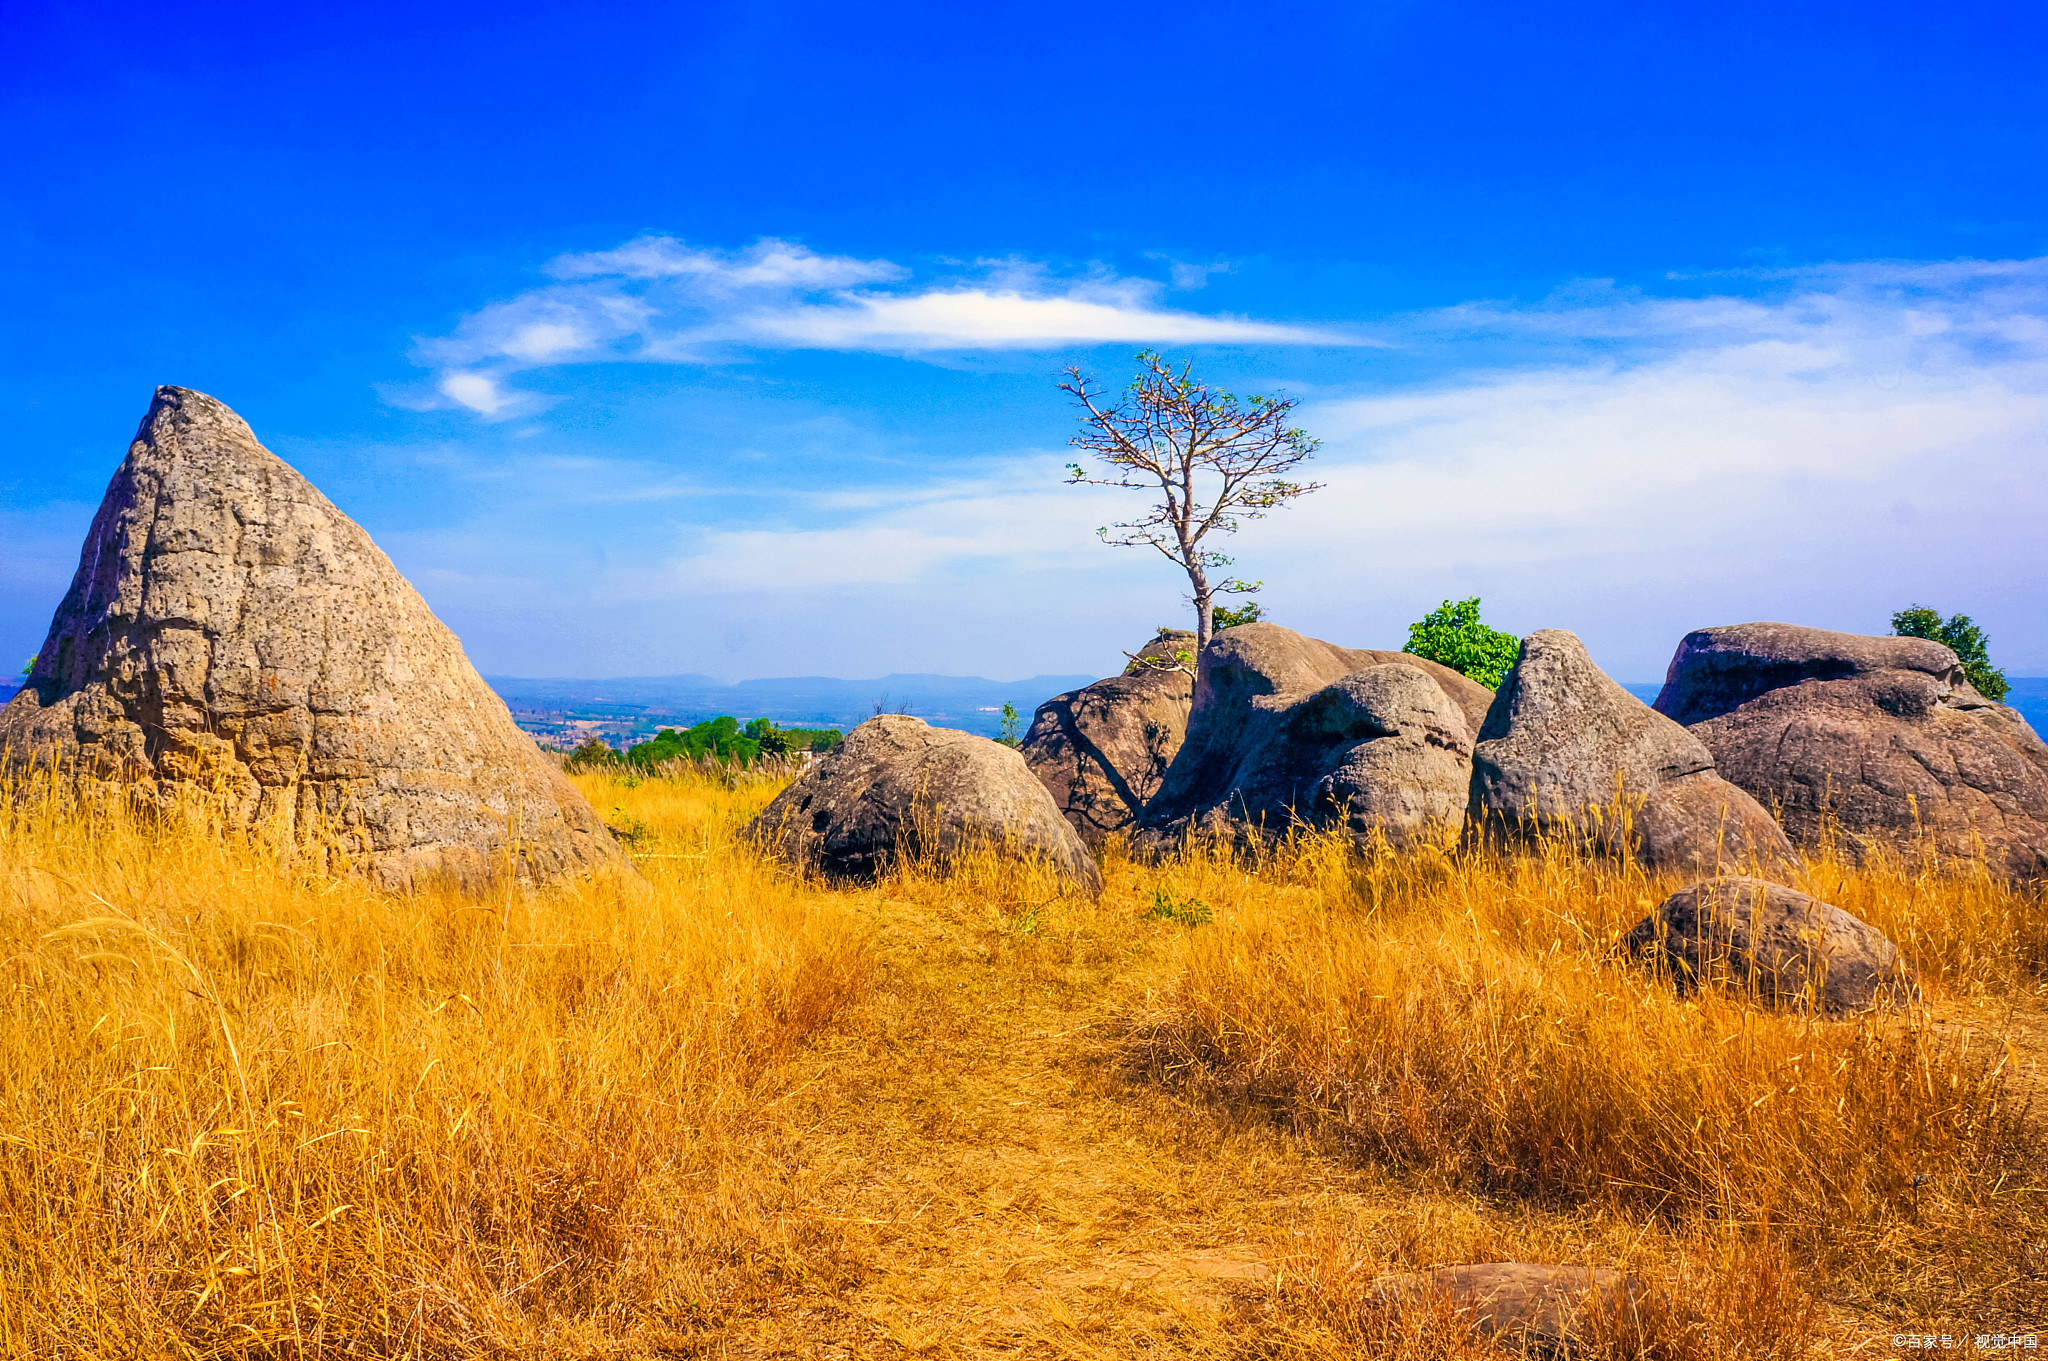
x=898 y=787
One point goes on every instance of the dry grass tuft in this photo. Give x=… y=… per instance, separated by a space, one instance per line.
x=1474 y=1023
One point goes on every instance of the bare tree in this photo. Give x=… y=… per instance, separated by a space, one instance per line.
x=1214 y=461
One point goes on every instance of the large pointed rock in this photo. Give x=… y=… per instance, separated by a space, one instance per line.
x=1102 y=750
x=1873 y=742
x=1566 y=751
x=230 y=628
x=1287 y=729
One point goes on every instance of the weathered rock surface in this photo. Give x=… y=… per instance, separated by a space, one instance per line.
x=1790 y=949
x=899 y=787
x=1565 y=749
x=1285 y=727
x=1882 y=735
x=1103 y=749
x=229 y=627
x=1545 y=1310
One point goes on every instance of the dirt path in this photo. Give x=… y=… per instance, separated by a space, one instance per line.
x=1000 y=1189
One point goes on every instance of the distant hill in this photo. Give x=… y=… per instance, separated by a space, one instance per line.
x=635 y=705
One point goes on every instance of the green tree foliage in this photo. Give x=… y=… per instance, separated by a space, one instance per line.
x=1962 y=637
x=1452 y=634
x=30 y=665
x=788 y=741
x=1008 y=737
x=592 y=754
x=1228 y=618
x=719 y=739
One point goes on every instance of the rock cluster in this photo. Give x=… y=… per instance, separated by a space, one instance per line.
x=229 y=628
x=898 y=787
x=1566 y=751
x=1879 y=739
x=1102 y=750
x=1286 y=728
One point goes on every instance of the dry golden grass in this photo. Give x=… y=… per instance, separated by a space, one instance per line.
x=248 y=1111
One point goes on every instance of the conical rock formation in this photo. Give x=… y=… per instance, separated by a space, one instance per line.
x=229 y=627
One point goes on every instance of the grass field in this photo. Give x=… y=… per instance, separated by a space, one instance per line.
x=250 y=1111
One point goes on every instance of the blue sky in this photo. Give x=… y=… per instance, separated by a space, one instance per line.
x=723 y=338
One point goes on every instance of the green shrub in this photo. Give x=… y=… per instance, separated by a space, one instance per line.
x=1224 y=617
x=1962 y=637
x=1452 y=635
x=718 y=739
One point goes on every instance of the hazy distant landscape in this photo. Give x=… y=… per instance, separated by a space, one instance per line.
x=628 y=708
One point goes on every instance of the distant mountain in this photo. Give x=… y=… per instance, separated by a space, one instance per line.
x=634 y=705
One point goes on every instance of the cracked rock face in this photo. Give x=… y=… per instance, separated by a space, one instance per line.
x=228 y=627
x=1566 y=751
x=1286 y=728
x=1102 y=750
x=899 y=787
x=1881 y=737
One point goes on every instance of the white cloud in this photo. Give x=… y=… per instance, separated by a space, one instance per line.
x=768 y=263
x=980 y=318
x=476 y=391
x=897 y=536
x=658 y=300
x=1860 y=440
x=1187 y=275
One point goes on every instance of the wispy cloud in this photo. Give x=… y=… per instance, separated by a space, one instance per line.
x=658 y=300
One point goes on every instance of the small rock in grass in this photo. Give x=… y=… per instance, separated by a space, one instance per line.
x=1790 y=949
x=1549 y=1311
x=900 y=787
